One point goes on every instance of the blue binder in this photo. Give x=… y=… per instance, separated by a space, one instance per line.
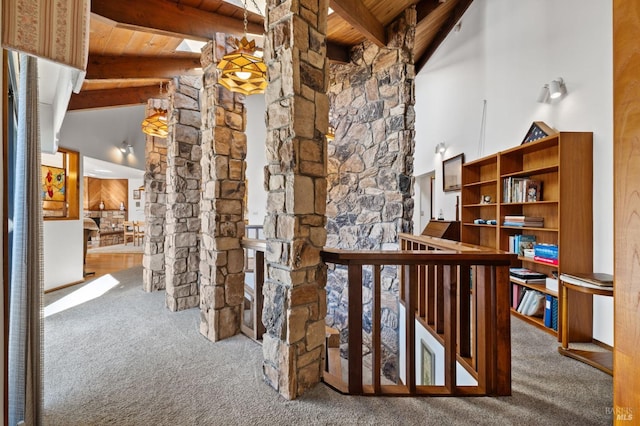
x=548 y=320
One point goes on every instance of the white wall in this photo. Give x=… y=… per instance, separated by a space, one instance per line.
x=136 y=213
x=63 y=252
x=256 y=158
x=504 y=52
x=99 y=133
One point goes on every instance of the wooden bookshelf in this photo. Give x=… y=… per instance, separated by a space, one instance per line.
x=564 y=164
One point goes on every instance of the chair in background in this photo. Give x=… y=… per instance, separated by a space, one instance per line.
x=138 y=232
x=129 y=231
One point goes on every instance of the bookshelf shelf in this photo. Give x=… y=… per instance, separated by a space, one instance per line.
x=538 y=322
x=563 y=165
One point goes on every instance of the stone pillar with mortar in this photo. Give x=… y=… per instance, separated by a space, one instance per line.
x=182 y=226
x=295 y=177
x=224 y=149
x=155 y=177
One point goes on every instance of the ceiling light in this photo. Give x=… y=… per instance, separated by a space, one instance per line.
x=156 y=124
x=243 y=70
x=554 y=90
x=557 y=88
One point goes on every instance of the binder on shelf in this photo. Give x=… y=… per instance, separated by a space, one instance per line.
x=554 y=313
x=548 y=320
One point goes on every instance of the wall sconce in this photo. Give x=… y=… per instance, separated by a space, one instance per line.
x=554 y=90
x=441 y=148
x=126 y=148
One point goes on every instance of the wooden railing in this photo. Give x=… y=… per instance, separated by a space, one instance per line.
x=254 y=279
x=458 y=293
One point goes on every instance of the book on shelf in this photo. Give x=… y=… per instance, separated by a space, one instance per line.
x=526 y=274
x=596 y=278
x=548 y=251
x=522 y=221
x=521 y=190
x=554 y=313
x=528 y=280
x=547 y=310
x=525 y=242
x=532 y=303
x=546 y=260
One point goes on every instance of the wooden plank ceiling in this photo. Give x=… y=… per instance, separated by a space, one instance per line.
x=132 y=44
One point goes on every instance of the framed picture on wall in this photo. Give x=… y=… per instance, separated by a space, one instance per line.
x=452 y=173
x=428 y=364
x=136 y=194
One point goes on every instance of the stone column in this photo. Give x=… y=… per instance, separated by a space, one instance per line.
x=224 y=149
x=153 y=276
x=182 y=228
x=297 y=122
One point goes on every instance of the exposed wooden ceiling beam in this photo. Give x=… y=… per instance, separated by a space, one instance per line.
x=88 y=99
x=170 y=18
x=361 y=18
x=425 y=7
x=461 y=7
x=114 y=67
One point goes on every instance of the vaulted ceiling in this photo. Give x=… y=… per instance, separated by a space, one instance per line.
x=132 y=44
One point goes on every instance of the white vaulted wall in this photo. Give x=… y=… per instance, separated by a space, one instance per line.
x=503 y=53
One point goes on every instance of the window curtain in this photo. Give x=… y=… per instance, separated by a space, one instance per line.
x=57 y=30
x=26 y=286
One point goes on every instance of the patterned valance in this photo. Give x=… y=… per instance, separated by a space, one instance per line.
x=57 y=30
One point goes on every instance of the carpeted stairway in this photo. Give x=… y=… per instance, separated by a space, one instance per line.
x=124 y=359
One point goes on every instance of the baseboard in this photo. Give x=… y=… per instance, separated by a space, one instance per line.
x=63 y=286
x=601 y=344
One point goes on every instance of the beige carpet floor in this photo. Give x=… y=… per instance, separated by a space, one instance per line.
x=123 y=359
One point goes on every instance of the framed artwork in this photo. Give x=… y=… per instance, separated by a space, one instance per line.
x=53 y=184
x=538 y=130
x=428 y=364
x=136 y=194
x=452 y=173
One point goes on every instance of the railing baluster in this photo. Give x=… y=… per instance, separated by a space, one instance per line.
x=501 y=302
x=258 y=297
x=355 y=329
x=450 y=319
x=439 y=300
x=464 y=309
x=484 y=327
x=411 y=272
x=431 y=294
x=375 y=338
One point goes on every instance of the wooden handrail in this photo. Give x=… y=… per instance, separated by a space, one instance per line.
x=435 y=281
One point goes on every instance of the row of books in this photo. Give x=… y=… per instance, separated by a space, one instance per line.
x=528 y=301
x=522 y=244
x=521 y=190
x=546 y=253
x=524 y=221
x=533 y=303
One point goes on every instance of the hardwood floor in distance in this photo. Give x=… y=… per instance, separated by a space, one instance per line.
x=107 y=263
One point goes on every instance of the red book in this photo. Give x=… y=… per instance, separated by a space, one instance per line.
x=545 y=260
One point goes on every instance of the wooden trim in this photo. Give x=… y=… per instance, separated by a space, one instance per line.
x=360 y=17
x=355 y=329
x=104 y=98
x=51 y=290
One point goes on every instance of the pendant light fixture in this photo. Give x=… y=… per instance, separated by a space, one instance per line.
x=243 y=70
x=156 y=123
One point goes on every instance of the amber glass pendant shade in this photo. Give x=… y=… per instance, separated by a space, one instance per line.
x=156 y=124
x=242 y=71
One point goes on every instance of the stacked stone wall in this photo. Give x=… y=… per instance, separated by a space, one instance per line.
x=370 y=171
x=297 y=121
x=155 y=177
x=224 y=150
x=182 y=226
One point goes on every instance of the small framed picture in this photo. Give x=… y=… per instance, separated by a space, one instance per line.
x=136 y=194
x=452 y=173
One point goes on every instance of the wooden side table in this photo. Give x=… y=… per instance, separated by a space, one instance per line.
x=600 y=360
